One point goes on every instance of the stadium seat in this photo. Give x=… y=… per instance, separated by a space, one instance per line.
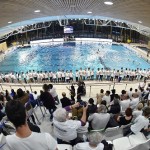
x=137 y=139
x=143 y=146
x=64 y=147
x=113 y=133
x=122 y=143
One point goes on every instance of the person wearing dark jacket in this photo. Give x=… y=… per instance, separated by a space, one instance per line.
x=115 y=107
x=48 y=100
x=65 y=101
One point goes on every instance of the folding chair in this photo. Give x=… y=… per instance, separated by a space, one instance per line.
x=138 y=138
x=113 y=133
x=122 y=143
x=143 y=146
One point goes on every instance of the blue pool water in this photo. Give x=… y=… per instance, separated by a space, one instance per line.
x=71 y=56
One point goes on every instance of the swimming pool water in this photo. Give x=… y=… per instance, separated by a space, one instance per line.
x=71 y=56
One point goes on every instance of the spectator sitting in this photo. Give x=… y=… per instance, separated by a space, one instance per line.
x=53 y=93
x=24 y=138
x=100 y=96
x=140 y=123
x=124 y=95
x=13 y=94
x=106 y=97
x=135 y=94
x=124 y=120
x=94 y=143
x=100 y=119
x=115 y=107
x=112 y=95
x=91 y=107
x=65 y=101
x=8 y=96
x=138 y=111
x=64 y=129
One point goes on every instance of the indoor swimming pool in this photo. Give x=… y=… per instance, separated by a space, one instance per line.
x=71 y=56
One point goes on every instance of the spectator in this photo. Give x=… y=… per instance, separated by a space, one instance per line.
x=135 y=94
x=8 y=96
x=31 y=99
x=65 y=101
x=24 y=99
x=100 y=119
x=48 y=100
x=106 y=97
x=66 y=130
x=100 y=96
x=13 y=94
x=53 y=93
x=112 y=95
x=24 y=138
x=140 y=123
x=138 y=111
x=115 y=107
x=130 y=93
x=72 y=93
x=94 y=143
x=124 y=120
x=91 y=107
x=124 y=95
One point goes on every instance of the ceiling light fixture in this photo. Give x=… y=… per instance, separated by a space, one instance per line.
x=89 y=12
x=108 y=3
x=10 y=22
x=37 y=11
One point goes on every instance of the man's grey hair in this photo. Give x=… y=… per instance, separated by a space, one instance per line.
x=95 y=138
x=60 y=115
x=102 y=109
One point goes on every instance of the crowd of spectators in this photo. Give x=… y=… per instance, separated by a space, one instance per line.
x=70 y=116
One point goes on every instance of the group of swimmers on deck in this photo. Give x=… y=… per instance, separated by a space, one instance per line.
x=68 y=76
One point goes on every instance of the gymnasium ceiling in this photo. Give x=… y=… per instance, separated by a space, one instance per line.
x=21 y=12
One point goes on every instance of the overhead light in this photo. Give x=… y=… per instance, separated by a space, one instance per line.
x=89 y=12
x=108 y=3
x=10 y=22
x=37 y=11
x=139 y=21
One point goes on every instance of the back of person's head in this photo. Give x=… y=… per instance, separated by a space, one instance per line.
x=116 y=96
x=103 y=102
x=102 y=109
x=28 y=92
x=63 y=94
x=136 y=90
x=72 y=87
x=16 y=113
x=108 y=92
x=60 y=115
x=95 y=138
x=35 y=92
x=45 y=87
x=131 y=89
x=123 y=92
x=20 y=92
x=128 y=112
x=146 y=112
x=50 y=86
x=12 y=90
x=140 y=106
x=113 y=91
x=91 y=101
x=1 y=97
x=101 y=91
